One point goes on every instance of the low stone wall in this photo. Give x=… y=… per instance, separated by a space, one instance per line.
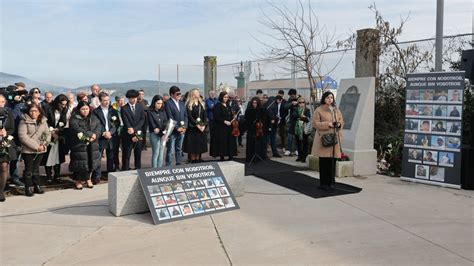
x=126 y=195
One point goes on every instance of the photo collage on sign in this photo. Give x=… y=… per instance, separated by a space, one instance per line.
x=178 y=199
x=433 y=130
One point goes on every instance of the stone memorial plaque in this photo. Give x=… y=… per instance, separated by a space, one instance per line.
x=348 y=106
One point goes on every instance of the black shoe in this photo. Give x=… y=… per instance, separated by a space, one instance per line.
x=276 y=155
x=29 y=191
x=2 y=197
x=299 y=159
x=37 y=189
x=57 y=180
x=303 y=160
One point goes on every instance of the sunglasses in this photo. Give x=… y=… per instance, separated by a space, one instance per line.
x=300 y=102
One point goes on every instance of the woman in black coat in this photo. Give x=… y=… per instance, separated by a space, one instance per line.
x=222 y=142
x=157 y=121
x=7 y=145
x=56 y=155
x=85 y=156
x=195 y=140
x=257 y=122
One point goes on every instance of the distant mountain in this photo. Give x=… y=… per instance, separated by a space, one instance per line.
x=151 y=87
x=10 y=79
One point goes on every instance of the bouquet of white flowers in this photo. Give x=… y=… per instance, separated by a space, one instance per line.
x=83 y=138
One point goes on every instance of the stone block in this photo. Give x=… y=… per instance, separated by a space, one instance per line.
x=313 y=162
x=126 y=195
x=344 y=168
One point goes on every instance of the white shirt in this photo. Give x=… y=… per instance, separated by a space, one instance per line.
x=105 y=111
x=132 y=107
x=177 y=104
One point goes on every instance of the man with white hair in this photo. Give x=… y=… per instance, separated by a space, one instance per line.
x=94 y=96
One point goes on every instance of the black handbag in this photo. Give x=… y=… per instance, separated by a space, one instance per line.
x=329 y=140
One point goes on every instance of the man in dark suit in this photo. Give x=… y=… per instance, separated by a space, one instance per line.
x=108 y=118
x=274 y=111
x=176 y=110
x=133 y=116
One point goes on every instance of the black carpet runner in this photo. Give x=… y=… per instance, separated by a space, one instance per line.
x=285 y=175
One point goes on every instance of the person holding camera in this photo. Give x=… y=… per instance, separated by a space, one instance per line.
x=328 y=121
x=7 y=146
x=34 y=136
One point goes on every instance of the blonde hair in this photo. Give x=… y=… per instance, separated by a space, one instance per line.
x=192 y=101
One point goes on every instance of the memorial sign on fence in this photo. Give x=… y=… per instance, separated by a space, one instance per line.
x=433 y=128
x=185 y=191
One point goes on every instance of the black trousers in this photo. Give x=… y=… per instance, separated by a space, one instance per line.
x=127 y=147
x=32 y=164
x=282 y=132
x=302 y=146
x=116 y=141
x=327 y=171
x=108 y=147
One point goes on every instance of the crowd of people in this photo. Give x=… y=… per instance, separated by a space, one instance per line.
x=87 y=126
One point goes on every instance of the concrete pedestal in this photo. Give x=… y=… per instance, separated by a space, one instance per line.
x=126 y=194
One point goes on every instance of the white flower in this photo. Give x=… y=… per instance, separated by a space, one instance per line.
x=51 y=129
x=10 y=138
x=61 y=124
x=198 y=119
x=389 y=145
x=181 y=123
x=114 y=118
x=139 y=132
x=80 y=135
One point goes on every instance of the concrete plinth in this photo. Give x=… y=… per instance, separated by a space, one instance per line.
x=364 y=161
x=126 y=194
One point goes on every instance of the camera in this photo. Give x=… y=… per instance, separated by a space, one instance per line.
x=336 y=125
x=13 y=96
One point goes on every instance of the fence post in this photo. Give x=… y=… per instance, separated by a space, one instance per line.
x=210 y=74
x=367 y=53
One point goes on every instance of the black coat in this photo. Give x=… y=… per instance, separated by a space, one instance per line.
x=84 y=158
x=8 y=123
x=49 y=113
x=157 y=119
x=113 y=125
x=294 y=117
x=130 y=120
x=195 y=141
x=222 y=141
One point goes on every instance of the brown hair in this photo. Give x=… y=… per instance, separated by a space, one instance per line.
x=32 y=105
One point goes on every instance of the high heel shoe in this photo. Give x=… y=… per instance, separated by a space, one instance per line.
x=37 y=189
x=78 y=186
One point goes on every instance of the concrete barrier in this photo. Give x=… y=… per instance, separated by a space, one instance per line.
x=343 y=169
x=126 y=194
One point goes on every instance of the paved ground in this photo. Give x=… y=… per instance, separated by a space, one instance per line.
x=389 y=222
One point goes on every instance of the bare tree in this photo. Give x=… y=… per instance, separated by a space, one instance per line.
x=298 y=39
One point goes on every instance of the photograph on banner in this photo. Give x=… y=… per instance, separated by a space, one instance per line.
x=455 y=96
x=425 y=126
x=170 y=200
x=426 y=95
x=413 y=96
x=440 y=95
x=411 y=110
x=154 y=190
x=411 y=125
x=415 y=155
x=423 y=141
x=177 y=187
x=188 y=185
x=228 y=202
x=437 y=173
x=174 y=211
x=438 y=142
x=186 y=209
x=163 y=214
x=158 y=201
x=425 y=110
x=410 y=140
x=430 y=157
x=454 y=127
x=438 y=126
x=446 y=159
x=454 y=111
x=440 y=111
x=197 y=207
x=453 y=143
x=422 y=171
x=166 y=189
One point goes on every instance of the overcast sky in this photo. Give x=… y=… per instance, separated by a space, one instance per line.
x=73 y=43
